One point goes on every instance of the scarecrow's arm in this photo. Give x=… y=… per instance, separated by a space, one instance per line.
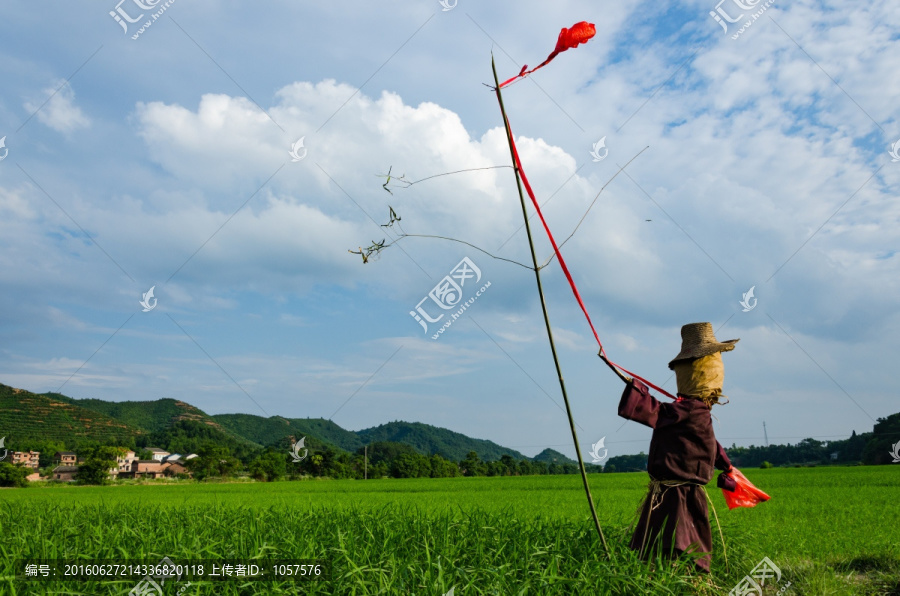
x=724 y=481
x=722 y=461
x=637 y=404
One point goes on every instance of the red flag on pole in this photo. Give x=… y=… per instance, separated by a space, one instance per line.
x=568 y=38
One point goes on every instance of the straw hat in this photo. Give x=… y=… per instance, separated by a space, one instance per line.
x=698 y=340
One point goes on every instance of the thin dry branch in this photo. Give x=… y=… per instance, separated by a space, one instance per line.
x=376 y=247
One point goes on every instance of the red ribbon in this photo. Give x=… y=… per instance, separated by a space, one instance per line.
x=568 y=38
x=562 y=262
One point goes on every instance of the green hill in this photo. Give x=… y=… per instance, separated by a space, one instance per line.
x=170 y=423
x=429 y=440
x=549 y=456
x=27 y=419
x=266 y=431
x=37 y=420
x=329 y=432
x=188 y=436
x=151 y=416
x=424 y=438
x=178 y=426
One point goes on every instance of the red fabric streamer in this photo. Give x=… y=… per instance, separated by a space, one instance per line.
x=562 y=262
x=568 y=38
x=744 y=494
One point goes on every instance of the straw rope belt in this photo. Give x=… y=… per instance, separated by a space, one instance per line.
x=656 y=490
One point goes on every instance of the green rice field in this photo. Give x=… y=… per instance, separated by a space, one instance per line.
x=829 y=531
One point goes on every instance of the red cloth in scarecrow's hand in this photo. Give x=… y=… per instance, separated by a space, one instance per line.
x=738 y=491
x=568 y=38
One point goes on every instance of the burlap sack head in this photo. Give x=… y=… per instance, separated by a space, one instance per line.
x=701 y=378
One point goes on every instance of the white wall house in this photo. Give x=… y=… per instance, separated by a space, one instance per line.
x=158 y=454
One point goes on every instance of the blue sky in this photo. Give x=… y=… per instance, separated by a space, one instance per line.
x=164 y=161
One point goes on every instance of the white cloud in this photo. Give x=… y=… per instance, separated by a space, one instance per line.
x=14 y=205
x=58 y=110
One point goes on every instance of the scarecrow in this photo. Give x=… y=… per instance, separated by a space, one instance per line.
x=683 y=449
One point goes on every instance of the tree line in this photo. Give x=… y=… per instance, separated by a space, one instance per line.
x=229 y=457
x=382 y=459
x=386 y=459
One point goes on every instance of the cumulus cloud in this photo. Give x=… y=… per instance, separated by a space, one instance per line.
x=711 y=186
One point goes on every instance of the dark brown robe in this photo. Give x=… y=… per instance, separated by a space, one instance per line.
x=683 y=449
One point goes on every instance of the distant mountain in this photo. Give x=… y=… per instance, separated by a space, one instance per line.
x=267 y=431
x=170 y=424
x=429 y=440
x=27 y=418
x=151 y=416
x=424 y=438
x=179 y=426
x=549 y=456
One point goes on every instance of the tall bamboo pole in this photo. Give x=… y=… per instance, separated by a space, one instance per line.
x=537 y=275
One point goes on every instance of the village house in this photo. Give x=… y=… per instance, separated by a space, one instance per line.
x=65 y=458
x=144 y=468
x=124 y=461
x=64 y=473
x=158 y=454
x=29 y=459
x=127 y=465
x=175 y=468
